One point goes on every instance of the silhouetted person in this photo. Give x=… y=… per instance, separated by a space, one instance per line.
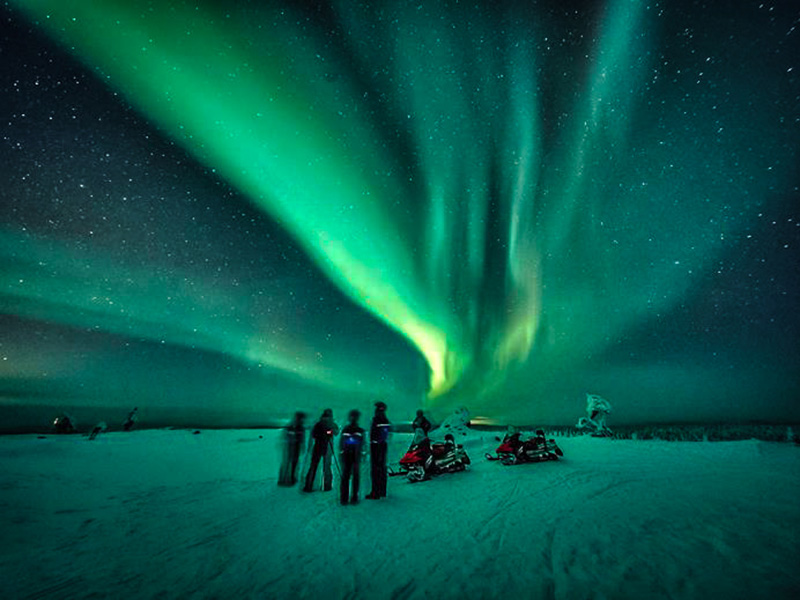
x=131 y=420
x=294 y=438
x=378 y=437
x=421 y=423
x=351 y=444
x=98 y=429
x=322 y=435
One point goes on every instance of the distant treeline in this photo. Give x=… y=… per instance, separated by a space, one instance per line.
x=678 y=432
x=694 y=433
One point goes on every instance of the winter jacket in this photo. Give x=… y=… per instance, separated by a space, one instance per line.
x=352 y=439
x=421 y=423
x=295 y=434
x=379 y=431
x=324 y=431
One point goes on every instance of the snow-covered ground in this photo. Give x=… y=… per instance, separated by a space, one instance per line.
x=169 y=514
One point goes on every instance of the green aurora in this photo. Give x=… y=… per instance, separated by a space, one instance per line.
x=513 y=190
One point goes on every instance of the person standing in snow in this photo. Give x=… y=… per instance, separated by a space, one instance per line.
x=351 y=444
x=322 y=435
x=378 y=437
x=98 y=429
x=131 y=420
x=421 y=423
x=295 y=434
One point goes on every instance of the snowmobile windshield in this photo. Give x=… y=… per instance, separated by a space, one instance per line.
x=419 y=435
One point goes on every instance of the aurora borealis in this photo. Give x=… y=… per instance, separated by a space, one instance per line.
x=254 y=207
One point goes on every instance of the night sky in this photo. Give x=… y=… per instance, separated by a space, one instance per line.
x=222 y=212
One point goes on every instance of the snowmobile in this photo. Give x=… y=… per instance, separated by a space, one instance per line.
x=513 y=450
x=424 y=460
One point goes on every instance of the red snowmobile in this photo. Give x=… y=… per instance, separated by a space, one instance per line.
x=424 y=460
x=513 y=450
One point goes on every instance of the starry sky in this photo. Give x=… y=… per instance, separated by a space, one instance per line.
x=221 y=212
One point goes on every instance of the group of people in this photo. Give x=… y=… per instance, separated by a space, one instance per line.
x=352 y=446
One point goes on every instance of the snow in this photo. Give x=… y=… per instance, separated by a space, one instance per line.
x=169 y=514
